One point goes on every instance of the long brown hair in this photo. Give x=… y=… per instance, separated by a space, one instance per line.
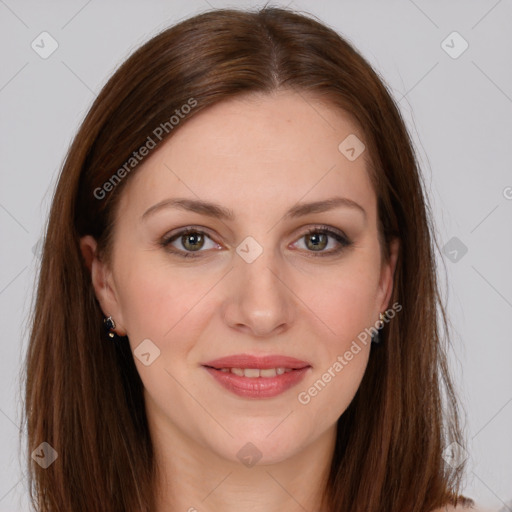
x=83 y=395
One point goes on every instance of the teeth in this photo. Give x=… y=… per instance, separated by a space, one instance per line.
x=253 y=373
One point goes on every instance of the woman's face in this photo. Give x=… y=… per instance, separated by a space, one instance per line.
x=255 y=284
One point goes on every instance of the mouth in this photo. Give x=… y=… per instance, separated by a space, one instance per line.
x=257 y=377
x=254 y=373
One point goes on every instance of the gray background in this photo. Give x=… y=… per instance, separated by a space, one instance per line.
x=458 y=111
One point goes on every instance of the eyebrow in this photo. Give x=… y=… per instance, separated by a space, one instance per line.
x=220 y=212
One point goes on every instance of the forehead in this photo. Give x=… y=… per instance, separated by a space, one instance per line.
x=254 y=151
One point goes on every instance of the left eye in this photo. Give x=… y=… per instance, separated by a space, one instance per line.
x=317 y=240
x=193 y=240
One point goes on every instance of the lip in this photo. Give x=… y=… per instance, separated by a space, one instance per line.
x=262 y=362
x=258 y=387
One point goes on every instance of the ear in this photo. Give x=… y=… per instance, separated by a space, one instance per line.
x=387 y=274
x=103 y=283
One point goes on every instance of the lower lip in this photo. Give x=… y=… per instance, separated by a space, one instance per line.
x=258 y=387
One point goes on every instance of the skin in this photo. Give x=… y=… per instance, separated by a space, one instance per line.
x=259 y=156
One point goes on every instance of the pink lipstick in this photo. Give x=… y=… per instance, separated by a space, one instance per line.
x=257 y=376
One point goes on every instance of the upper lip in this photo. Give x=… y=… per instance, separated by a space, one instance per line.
x=261 y=362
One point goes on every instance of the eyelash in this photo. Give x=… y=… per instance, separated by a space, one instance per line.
x=338 y=236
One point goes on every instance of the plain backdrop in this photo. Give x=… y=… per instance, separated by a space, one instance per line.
x=455 y=93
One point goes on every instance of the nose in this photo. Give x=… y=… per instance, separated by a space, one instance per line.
x=259 y=298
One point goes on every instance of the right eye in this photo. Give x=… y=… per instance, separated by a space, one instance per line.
x=191 y=240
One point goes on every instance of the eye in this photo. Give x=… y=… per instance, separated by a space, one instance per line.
x=317 y=239
x=191 y=240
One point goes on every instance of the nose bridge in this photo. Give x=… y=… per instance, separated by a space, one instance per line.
x=258 y=264
x=259 y=300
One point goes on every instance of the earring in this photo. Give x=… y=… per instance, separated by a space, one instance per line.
x=376 y=337
x=110 y=325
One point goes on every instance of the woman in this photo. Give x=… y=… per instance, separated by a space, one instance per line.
x=237 y=304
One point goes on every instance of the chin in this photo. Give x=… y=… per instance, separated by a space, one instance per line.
x=263 y=443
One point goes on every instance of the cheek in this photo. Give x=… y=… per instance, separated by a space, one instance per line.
x=343 y=299
x=345 y=307
x=155 y=299
x=341 y=354
x=331 y=392
x=343 y=302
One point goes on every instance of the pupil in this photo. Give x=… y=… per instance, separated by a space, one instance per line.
x=196 y=239
x=316 y=242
